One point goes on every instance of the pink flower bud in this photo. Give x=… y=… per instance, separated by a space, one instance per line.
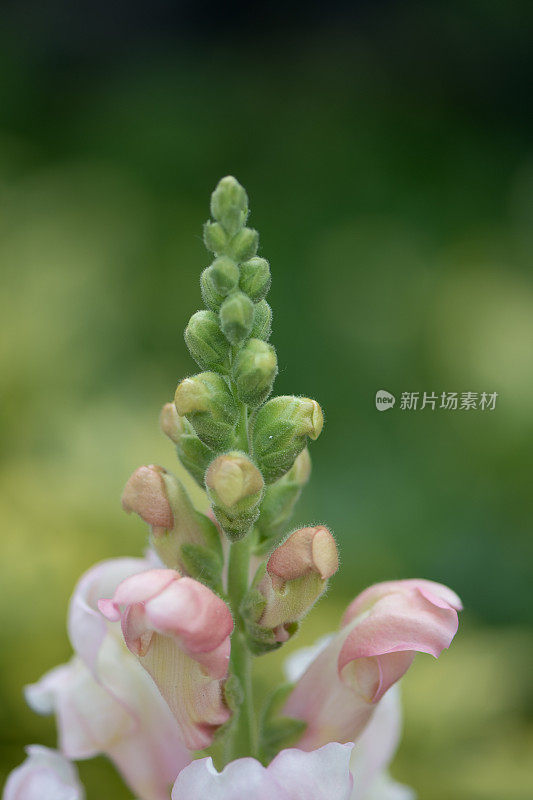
x=296 y=575
x=382 y=630
x=145 y=494
x=306 y=551
x=161 y=500
x=180 y=632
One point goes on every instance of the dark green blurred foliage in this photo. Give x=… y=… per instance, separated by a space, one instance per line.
x=387 y=154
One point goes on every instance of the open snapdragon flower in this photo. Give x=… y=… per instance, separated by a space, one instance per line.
x=161 y=678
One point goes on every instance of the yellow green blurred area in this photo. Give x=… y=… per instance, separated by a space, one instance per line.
x=388 y=156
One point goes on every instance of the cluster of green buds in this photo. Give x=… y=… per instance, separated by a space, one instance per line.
x=234 y=441
x=248 y=452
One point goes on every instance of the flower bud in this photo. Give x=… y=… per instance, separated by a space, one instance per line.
x=229 y=204
x=296 y=576
x=211 y=298
x=244 y=245
x=181 y=536
x=262 y=325
x=235 y=487
x=145 y=495
x=208 y=404
x=215 y=237
x=255 y=278
x=206 y=342
x=279 y=501
x=236 y=317
x=254 y=371
x=223 y=275
x=280 y=431
x=193 y=454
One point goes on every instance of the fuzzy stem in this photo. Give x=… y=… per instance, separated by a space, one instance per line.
x=244 y=740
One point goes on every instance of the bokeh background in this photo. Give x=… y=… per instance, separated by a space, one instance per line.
x=387 y=149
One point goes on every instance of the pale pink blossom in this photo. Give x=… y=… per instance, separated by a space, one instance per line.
x=375 y=747
x=293 y=775
x=381 y=632
x=103 y=700
x=180 y=632
x=45 y=775
x=374 y=751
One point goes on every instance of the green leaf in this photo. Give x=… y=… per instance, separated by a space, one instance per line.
x=278 y=732
x=202 y=565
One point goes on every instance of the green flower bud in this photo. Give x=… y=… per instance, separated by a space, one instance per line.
x=235 y=487
x=255 y=278
x=279 y=501
x=236 y=317
x=262 y=325
x=224 y=275
x=206 y=342
x=229 y=204
x=193 y=454
x=254 y=371
x=208 y=404
x=244 y=245
x=210 y=296
x=280 y=432
x=215 y=237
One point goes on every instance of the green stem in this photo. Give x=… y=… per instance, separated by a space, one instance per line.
x=244 y=739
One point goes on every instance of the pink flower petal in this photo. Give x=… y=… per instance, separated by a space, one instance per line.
x=383 y=629
x=180 y=631
x=293 y=775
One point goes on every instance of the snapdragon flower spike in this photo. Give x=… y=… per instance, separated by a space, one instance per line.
x=45 y=775
x=182 y=537
x=180 y=632
x=381 y=631
x=296 y=575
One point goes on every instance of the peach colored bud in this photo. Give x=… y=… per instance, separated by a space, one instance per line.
x=296 y=576
x=306 y=550
x=145 y=494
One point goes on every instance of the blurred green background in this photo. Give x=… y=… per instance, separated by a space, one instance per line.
x=388 y=154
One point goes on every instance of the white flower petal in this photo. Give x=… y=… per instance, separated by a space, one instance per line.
x=45 y=775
